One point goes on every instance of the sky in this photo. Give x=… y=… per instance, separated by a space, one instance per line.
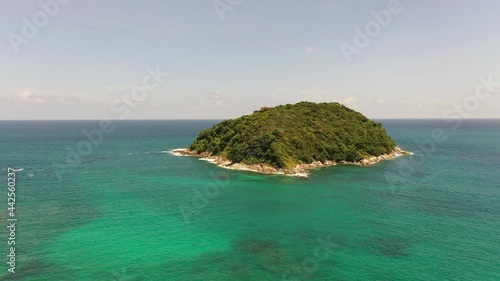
x=89 y=59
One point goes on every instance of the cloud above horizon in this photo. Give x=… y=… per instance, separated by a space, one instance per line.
x=310 y=49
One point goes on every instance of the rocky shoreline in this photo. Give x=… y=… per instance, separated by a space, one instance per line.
x=300 y=170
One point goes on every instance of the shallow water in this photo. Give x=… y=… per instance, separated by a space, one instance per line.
x=130 y=211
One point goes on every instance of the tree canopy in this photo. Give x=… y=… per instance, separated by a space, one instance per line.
x=292 y=134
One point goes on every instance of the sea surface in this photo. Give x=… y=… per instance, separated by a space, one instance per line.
x=124 y=208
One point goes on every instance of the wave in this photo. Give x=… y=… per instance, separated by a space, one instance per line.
x=208 y=160
x=175 y=153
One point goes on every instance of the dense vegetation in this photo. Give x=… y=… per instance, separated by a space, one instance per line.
x=287 y=135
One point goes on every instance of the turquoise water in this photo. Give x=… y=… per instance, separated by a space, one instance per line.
x=131 y=211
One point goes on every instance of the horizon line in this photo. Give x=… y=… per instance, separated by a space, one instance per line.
x=216 y=119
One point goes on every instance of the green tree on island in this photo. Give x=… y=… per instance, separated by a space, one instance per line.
x=287 y=135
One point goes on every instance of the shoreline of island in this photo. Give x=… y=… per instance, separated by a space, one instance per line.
x=300 y=170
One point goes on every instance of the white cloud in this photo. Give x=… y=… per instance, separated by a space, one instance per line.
x=350 y=100
x=210 y=100
x=310 y=49
x=218 y=99
x=25 y=96
x=317 y=94
x=37 y=96
x=71 y=99
x=280 y=89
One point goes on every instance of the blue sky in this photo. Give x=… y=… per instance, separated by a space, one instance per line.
x=263 y=53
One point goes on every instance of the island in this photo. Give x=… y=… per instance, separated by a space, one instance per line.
x=291 y=139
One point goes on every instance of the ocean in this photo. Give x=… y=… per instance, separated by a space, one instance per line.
x=96 y=205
